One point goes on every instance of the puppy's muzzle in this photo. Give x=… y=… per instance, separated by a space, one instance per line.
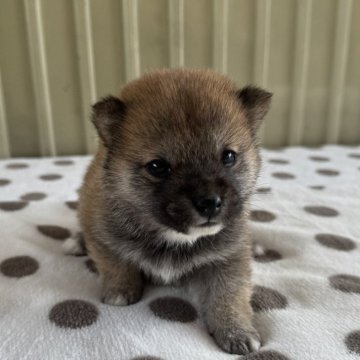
x=208 y=206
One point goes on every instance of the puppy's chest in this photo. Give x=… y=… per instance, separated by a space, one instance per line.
x=165 y=270
x=171 y=269
x=164 y=275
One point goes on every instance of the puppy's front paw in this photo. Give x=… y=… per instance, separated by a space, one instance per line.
x=121 y=298
x=237 y=340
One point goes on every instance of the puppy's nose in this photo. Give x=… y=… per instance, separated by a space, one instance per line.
x=208 y=206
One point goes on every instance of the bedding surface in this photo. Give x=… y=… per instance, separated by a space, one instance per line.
x=305 y=219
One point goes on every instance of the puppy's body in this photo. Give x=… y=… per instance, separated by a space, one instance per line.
x=181 y=218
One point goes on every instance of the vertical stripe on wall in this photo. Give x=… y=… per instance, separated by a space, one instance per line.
x=262 y=46
x=176 y=38
x=35 y=30
x=220 y=46
x=4 y=135
x=85 y=50
x=340 y=56
x=131 y=39
x=301 y=62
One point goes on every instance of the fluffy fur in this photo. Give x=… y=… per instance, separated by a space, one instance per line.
x=138 y=227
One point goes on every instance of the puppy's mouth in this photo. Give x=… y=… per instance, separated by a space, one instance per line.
x=208 y=224
x=193 y=233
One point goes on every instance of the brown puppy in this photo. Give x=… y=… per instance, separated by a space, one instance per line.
x=166 y=196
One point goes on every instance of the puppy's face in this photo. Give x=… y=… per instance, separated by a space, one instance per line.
x=182 y=150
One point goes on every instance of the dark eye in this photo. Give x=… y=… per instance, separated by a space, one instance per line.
x=229 y=158
x=158 y=168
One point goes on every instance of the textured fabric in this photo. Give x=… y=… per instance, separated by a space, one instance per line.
x=307 y=268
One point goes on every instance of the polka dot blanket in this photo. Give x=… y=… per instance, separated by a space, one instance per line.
x=305 y=219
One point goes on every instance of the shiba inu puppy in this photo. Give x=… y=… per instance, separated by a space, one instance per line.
x=166 y=197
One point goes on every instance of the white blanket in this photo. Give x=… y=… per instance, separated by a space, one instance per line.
x=307 y=299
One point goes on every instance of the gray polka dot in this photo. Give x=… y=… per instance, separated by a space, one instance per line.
x=63 y=162
x=283 y=175
x=317 y=187
x=50 y=177
x=265 y=355
x=262 y=216
x=263 y=190
x=319 y=158
x=278 y=161
x=335 y=242
x=321 y=211
x=16 y=166
x=33 y=196
x=269 y=255
x=264 y=299
x=54 y=231
x=354 y=156
x=173 y=309
x=72 y=204
x=345 y=283
x=4 y=182
x=19 y=266
x=12 y=205
x=328 y=172
x=352 y=342
x=73 y=314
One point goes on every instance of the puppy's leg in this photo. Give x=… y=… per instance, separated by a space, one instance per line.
x=122 y=282
x=225 y=297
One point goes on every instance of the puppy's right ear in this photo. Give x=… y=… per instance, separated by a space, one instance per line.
x=256 y=102
x=106 y=116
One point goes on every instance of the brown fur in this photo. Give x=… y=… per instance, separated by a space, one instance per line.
x=187 y=117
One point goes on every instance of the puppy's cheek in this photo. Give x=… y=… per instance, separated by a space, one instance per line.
x=233 y=204
x=236 y=205
x=178 y=215
x=177 y=212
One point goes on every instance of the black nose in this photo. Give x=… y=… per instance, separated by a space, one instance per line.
x=208 y=206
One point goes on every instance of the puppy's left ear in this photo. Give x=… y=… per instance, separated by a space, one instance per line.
x=256 y=102
x=107 y=115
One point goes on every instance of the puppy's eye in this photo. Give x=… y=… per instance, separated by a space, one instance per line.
x=229 y=158
x=158 y=168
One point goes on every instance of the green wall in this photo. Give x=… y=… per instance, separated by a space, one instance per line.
x=58 y=56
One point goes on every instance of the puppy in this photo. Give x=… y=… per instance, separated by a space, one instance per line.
x=166 y=197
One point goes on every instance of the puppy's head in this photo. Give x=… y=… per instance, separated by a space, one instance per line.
x=181 y=149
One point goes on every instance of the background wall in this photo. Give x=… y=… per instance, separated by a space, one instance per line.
x=58 y=56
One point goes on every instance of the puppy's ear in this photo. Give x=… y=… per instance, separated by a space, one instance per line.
x=256 y=102
x=106 y=116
